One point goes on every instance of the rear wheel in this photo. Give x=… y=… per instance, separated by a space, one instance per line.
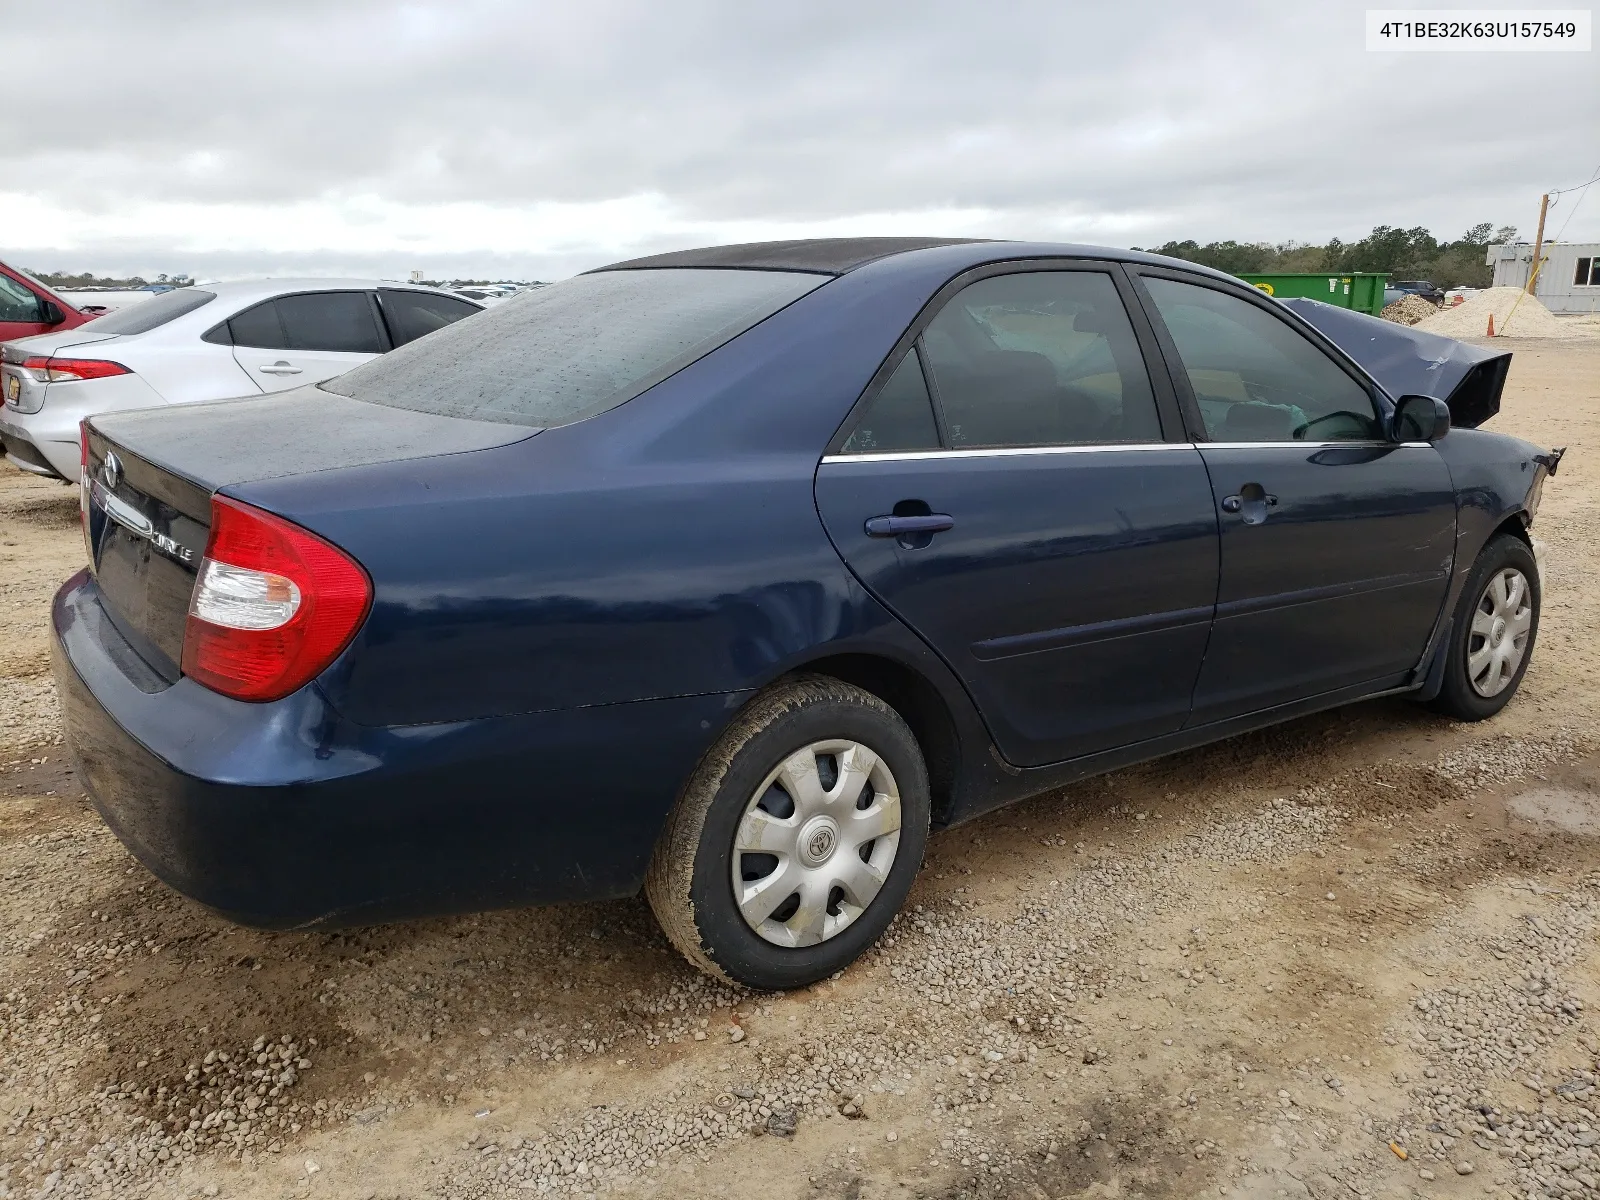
x=1491 y=638
x=797 y=838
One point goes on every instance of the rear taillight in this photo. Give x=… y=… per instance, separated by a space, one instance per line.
x=273 y=605
x=64 y=370
x=84 y=485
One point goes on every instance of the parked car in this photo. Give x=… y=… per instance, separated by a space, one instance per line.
x=481 y=295
x=201 y=343
x=1418 y=287
x=727 y=574
x=28 y=307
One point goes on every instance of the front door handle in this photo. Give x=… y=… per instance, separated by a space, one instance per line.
x=1252 y=502
x=903 y=526
x=279 y=368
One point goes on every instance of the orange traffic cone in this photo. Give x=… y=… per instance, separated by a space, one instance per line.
x=1491 y=324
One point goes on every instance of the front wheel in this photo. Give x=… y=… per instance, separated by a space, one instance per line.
x=1491 y=637
x=797 y=838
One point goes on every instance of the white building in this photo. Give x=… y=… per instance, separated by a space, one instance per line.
x=1569 y=281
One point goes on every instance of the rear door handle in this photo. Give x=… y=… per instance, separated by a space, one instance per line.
x=901 y=526
x=279 y=368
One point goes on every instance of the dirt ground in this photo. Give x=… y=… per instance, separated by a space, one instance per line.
x=1354 y=955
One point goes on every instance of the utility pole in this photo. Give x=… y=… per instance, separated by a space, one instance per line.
x=1538 y=243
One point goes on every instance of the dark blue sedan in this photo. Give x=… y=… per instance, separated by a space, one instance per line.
x=727 y=574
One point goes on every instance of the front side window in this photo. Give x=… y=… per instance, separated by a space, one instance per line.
x=899 y=418
x=341 y=322
x=566 y=352
x=1255 y=377
x=412 y=314
x=18 y=303
x=1043 y=358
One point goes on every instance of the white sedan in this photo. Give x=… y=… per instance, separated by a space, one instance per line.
x=215 y=342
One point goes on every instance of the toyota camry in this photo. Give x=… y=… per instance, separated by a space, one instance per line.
x=726 y=575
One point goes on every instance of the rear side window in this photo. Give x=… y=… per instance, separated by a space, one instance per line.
x=18 y=303
x=1041 y=358
x=258 y=326
x=899 y=418
x=144 y=315
x=576 y=348
x=342 y=322
x=1255 y=377
x=412 y=314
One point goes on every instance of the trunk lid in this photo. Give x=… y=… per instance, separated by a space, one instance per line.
x=151 y=475
x=46 y=344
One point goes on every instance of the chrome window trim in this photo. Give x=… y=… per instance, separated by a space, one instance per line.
x=1363 y=444
x=1004 y=451
x=1110 y=447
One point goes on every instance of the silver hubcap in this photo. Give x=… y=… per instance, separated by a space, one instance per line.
x=1499 y=637
x=816 y=842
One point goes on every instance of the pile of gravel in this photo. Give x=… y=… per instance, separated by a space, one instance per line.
x=1470 y=318
x=1408 y=310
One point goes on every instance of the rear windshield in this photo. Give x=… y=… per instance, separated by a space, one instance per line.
x=144 y=315
x=561 y=353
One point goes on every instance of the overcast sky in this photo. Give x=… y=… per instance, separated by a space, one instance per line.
x=514 y=139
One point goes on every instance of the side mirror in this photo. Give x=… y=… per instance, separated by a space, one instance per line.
x=50 y=312
x=1421 y=419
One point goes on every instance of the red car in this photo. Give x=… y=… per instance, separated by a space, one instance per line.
x=28 y=307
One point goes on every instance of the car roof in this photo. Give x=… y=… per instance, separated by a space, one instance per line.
x=839 y=256
x=246 y=289
x=826 y=256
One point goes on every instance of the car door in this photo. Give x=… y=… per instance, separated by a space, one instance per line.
x=1337 y=542
x=22 y=310
x=1015 y=486
x=306 y=337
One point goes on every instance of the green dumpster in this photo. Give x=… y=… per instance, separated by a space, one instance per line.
x=1360 y=290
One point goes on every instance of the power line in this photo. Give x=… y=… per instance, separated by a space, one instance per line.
x=1582 y=190
x=1576 y=186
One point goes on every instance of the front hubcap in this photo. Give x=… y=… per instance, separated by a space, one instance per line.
x=818 y=839
x=816 y=843
x=1498 y=640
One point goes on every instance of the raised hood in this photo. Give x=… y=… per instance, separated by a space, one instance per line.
x=1411 y=362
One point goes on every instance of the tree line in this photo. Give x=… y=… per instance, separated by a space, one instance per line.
x=1404 y=253
x=84 y=279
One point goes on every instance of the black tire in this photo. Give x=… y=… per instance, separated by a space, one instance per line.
x=690 y=881
x=1457 y=696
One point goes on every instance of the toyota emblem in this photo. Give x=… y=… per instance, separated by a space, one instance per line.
x=111 y=471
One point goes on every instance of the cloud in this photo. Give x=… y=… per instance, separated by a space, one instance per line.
x=486 y=136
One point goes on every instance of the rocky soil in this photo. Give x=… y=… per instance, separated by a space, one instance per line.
x=1351 y=956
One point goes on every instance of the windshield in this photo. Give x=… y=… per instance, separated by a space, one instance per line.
x=144 y=315
x=562 y=353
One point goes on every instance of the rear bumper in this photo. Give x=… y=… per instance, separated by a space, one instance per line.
x=284 y=815
x=52 y=428
x=21 y=451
